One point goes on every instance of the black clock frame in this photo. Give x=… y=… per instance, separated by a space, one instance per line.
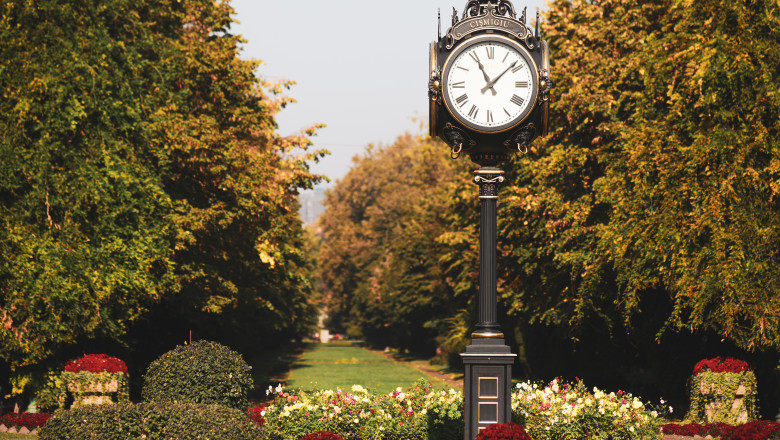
x=482 y=20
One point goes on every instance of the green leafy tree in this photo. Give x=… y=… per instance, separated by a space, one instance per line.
x=142 y=180
x=379 y=259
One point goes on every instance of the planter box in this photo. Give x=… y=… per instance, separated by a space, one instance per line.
x=96 y=393
x=95 y=387
x=714 y=409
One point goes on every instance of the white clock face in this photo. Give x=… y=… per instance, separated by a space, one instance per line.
x=490 y=85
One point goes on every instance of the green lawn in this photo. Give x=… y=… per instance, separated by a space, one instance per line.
x=341 y=365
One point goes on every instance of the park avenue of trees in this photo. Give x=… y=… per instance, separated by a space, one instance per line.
x=145 y=193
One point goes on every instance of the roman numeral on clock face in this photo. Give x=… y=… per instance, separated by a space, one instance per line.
x=491 y=52
x=489 y=116
x=519 y=84
x=459 y=85
x=517 y=69
x=462 y=99
x=473 y=112
x=518 y=100
x=474 y=57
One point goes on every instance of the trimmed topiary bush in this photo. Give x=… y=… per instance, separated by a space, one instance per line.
x=202 y=372
x=151 y=421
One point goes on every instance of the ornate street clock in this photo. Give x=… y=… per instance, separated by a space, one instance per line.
x=490 y=91
x=489 y=83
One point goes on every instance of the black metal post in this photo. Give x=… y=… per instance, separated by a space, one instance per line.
x=488 y=361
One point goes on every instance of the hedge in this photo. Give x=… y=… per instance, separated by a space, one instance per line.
x=150 y=421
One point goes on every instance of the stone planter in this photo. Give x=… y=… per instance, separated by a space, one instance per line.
x=96 y=393
x=716 y=403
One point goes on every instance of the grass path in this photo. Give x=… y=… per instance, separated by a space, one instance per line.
x=341 y=365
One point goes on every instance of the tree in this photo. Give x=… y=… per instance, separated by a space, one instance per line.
x=380 y=252
x=141 y=171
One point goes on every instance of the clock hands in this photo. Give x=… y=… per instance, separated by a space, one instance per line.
x=482 y=68
x=492 y=82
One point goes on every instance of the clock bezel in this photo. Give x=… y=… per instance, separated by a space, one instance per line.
x=448 y=104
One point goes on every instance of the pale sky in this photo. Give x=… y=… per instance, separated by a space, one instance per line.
x=361 y=66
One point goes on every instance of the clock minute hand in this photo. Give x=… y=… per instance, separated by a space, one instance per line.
x=492 y=82
x=482 y=68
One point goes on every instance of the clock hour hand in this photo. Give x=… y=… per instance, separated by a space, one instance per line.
x=492 y=82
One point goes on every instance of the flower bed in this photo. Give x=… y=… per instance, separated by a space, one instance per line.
x=571 y=411
x=757 y=430
x=558 y=411
x=416 y=413
x=29 y=421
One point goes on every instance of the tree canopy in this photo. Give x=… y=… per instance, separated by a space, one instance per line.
x=141 y=171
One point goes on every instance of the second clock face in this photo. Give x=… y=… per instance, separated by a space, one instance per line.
x=490 y=84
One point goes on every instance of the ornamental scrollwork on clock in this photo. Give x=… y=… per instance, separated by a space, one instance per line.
x=521 y=138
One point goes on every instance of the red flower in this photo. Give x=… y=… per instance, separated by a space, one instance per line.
x=322 y=435
x=28 y=420
x=503 y=431
x=720 y=365
x=256 y=414
x=96 y=363
x=689 y=430
x=758 y=430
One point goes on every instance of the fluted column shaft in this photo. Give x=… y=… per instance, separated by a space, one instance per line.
x=488 y=179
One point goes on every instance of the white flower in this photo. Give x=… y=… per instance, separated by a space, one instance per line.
x=358 y=421
x=671 y=410
x=358 y=389
x=279 y=388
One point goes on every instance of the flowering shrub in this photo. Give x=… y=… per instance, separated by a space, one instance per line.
x=322 y=435
x=571 y=411
x=720 y=365
x=96 y=363
x=256 y=413
x=416 y=413
x=28 y=420
x=503 y=431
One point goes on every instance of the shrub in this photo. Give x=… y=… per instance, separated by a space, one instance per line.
x=322 y=435
x=202 y=372
x=504 y=431
x=28 y=420
x=150 y=421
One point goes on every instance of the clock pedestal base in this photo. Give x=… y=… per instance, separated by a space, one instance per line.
x=487 y=384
